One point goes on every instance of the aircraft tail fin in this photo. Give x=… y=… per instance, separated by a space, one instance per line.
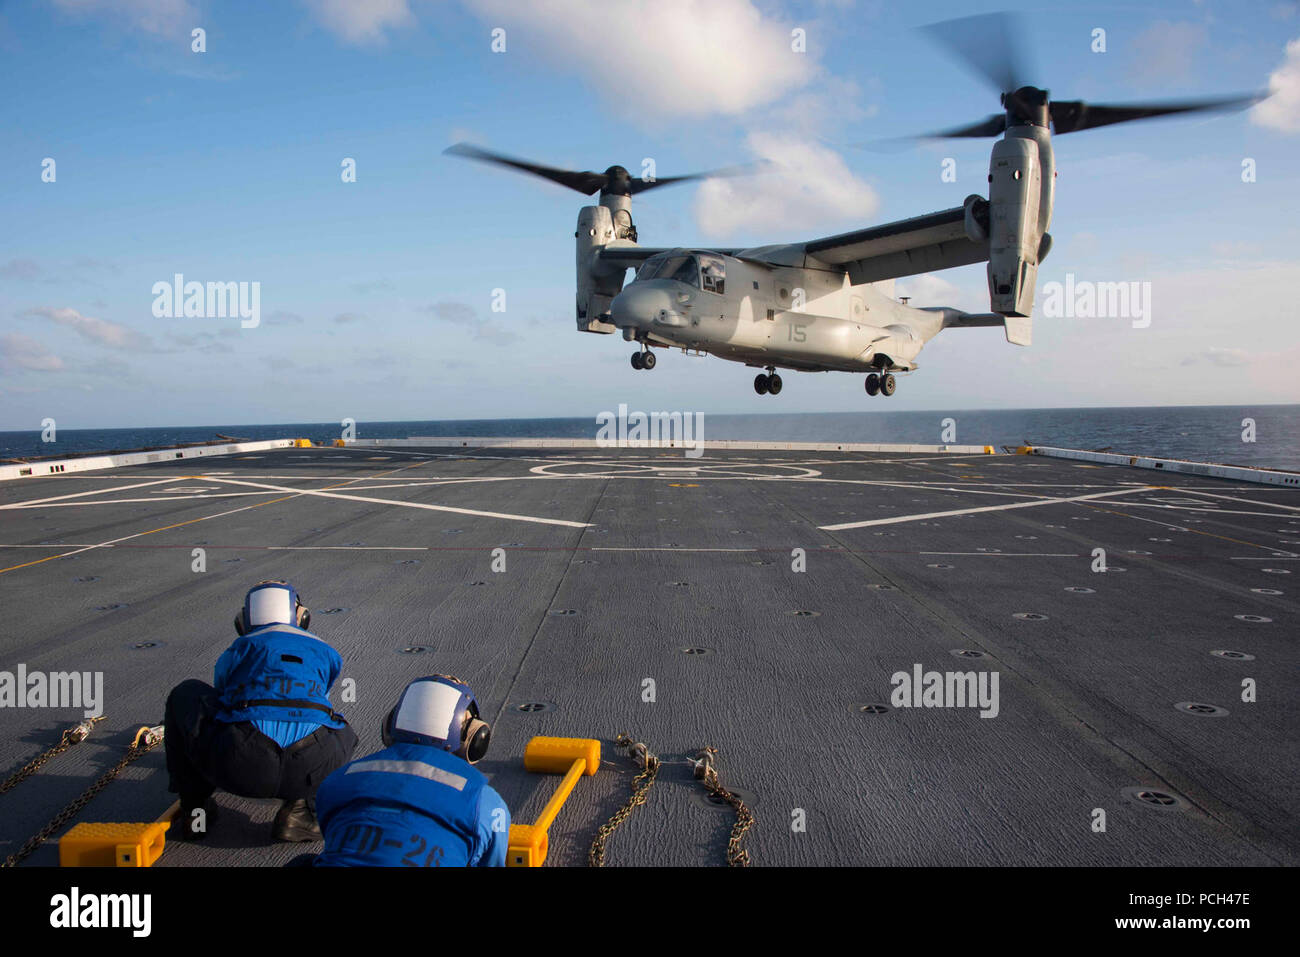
x=1019 y=330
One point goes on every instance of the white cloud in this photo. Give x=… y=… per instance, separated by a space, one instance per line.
x=807 y=187
x=24 y=352
x=929 y=289
x=102 y=331
x=669 y=57
x=159 y=17
x=361 y=21
x=462 y=314
x=1281 y=111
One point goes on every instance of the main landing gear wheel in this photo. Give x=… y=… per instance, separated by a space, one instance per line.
x=647 y=360
x=887 y=384
x=774 y=384
x=761 y=384
x=872 y=384
x=638 y=360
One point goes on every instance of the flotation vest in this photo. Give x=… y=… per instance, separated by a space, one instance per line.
x=278 y=673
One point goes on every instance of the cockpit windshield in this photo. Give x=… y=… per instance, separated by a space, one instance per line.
x=702 y=271
x=679 y=268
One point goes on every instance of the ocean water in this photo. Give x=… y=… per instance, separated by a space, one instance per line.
x=1199 y=433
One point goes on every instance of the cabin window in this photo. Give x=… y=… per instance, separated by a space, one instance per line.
x=713 y=274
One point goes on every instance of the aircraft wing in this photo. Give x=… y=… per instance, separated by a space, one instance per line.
x=910 y=246
x=630 y=255
x=635 y=255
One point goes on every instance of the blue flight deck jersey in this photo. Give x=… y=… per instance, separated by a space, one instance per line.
x=411 y=805
x=289 y=671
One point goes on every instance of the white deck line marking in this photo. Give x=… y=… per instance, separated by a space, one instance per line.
x=136 y=501
x=1249 y=501
x=94 y=491
x=60 y=545
x=343 y=548
x=1008 y=554
x=388 y=501
x=664 y=548
x=127 y=538
x=1267 y=558
x=1006 y=488
x=984 y=508
x=1202 y=510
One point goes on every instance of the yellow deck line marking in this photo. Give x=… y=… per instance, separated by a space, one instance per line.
x=1155 y=521
x=152 y=531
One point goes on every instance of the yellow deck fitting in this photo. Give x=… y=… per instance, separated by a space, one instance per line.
x=302 y=443
x=340 y=444
x=113 y=845
x=572 y=757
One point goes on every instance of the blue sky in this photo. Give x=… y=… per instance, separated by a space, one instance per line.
x=375 y=295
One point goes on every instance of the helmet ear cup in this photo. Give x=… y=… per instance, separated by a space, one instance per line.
x=304 y=616
x=386 y=730
x=239 y=625
x=477 y=737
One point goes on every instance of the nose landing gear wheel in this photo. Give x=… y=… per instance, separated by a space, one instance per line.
x=760 y=384
x=887 y=384
x=648 y=360
x=873 y=384
x=774 y=384
x=637 y=360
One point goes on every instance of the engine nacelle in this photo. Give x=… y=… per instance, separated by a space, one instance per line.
x=597 y=283
x=1019 y=213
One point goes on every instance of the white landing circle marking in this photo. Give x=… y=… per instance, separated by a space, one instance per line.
x=171 y=489
x=629 y=469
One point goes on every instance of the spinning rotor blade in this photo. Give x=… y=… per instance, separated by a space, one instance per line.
x=993 y=126
x=1069 y=116
x=991 y=44
x=616 y=179
x=585 y=182
x=638 y=185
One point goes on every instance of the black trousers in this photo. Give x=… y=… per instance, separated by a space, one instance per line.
x=204 y=754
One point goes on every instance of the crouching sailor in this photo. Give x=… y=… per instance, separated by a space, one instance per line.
x=267 y=729
x=418 y=802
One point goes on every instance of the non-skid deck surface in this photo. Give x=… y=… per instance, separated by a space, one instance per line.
x=616 y=562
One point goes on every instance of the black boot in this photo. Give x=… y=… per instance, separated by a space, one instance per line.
x=296 y=822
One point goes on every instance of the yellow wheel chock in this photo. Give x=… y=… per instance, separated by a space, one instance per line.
x=113 y=845
x=117 y=844
x=572 y=757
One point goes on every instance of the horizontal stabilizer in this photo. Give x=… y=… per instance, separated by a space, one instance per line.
x=1018 y=328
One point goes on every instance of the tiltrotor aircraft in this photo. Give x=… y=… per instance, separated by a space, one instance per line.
x=827 y=304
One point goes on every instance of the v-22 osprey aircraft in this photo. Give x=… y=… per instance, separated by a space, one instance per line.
x=828 y=304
